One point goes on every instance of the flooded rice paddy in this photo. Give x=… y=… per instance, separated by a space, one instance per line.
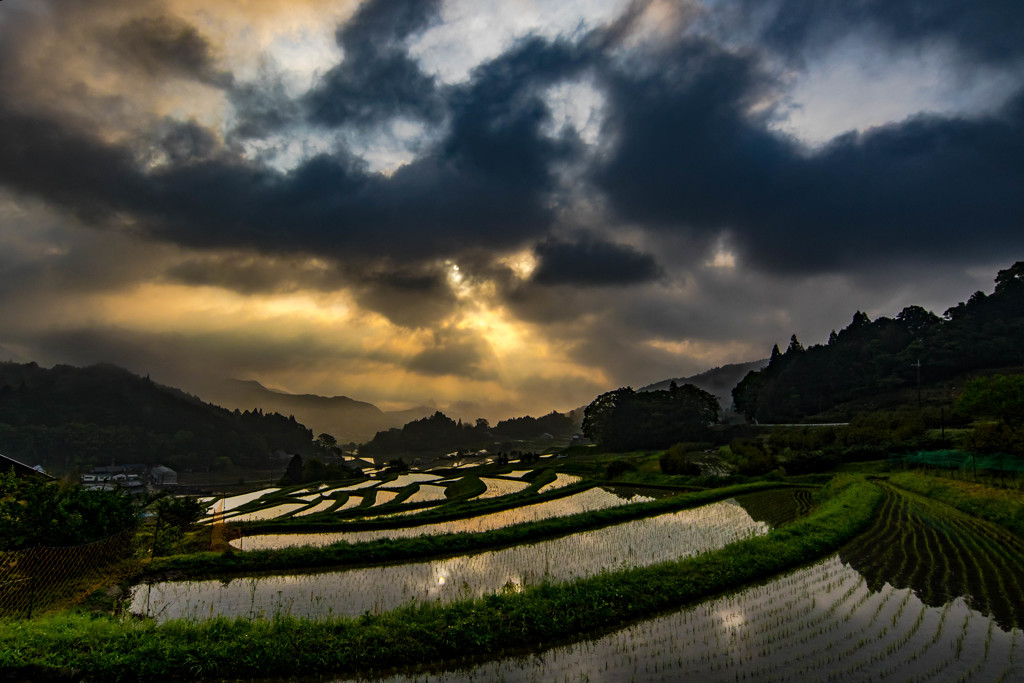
x=926 y=593
x=820 y=623
x=585 y=501
x=353 y=592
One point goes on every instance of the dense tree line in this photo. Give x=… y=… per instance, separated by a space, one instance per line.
x=67 y=418
x=625 y=419
x=441 y=434
x=555 y=424
x=437 y=433
x=868 y=357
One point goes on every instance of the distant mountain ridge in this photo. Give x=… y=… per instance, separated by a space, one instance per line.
x=345 y=418
x=68 y=418
x=717 y=381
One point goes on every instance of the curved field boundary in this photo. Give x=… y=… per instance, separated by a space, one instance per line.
x=343 y=554
x=942 y=553
x=108 y=649
x=429 y=512
x=1005 y=508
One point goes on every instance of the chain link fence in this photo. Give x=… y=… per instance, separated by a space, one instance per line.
x=41 y=579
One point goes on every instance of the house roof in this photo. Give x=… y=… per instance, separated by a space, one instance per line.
x=20 y=468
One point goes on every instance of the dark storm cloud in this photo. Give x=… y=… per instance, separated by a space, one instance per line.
x=58 y=163
x=409 y=296
x=591 y=263
x=454 y=352
x=688 y=156
x=263 y=107
x=489 y=182
x=684 y=155
x=991 y=31
x=186 y=142
x=252 y=274
x=497 y=120
x=377 y=79
x=167 y=45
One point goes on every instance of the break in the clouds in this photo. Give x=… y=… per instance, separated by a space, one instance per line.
x=455 y=203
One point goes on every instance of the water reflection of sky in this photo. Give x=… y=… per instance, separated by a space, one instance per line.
x=585 y=501
x=636 y=543
x=820 y=623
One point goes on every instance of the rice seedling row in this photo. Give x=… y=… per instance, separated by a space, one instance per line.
x=942 y=553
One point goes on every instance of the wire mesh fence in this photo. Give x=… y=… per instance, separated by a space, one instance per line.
x=40 y=579
x=962 y=460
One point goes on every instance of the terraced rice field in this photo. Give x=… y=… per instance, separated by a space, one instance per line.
x=925 y=594
x=427 y=493
x=591 y=499
x=501 y=487
x=942 y=554
x=353 y=592
x=561 y=481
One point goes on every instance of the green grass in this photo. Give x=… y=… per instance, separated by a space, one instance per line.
x=108 y=649
x=425 y=547
x=1002 y=506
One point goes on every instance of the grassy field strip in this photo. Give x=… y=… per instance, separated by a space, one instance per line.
x=268 y=513
x=464 y=501
x=1004 y=507
x=431 y=633
x=322 y=506
x=404 y=480
x=376 y=589
x=438 y=545
x=585 y=501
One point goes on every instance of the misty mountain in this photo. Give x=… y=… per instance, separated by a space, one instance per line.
x=344 y=418
x=716 y=381
x=10 y=356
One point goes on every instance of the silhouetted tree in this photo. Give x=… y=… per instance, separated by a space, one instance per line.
x=293 y=475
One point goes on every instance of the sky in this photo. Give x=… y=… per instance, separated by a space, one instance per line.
x=493 y=207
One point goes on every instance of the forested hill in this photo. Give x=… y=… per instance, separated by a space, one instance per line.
x=869 y=357
x=66 y=418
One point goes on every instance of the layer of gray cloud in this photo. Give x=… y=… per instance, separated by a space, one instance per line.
x=689 y=154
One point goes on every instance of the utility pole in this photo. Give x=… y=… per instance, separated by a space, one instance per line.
x=918 y=366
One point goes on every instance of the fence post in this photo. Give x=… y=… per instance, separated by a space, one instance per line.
x=31 y=595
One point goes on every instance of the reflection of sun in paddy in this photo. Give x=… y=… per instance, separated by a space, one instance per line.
x=731 y=619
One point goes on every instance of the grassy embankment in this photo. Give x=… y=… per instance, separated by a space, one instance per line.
x=110 y=649
x=382 y=551
x=1001 y=506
